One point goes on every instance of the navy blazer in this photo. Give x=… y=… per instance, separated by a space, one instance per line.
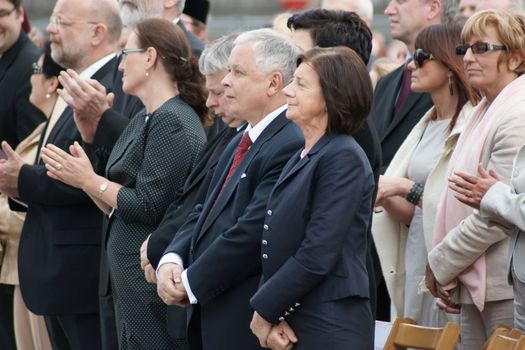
x=60 y=243
x=393 y=129
x=221 y=245
x=314 y=239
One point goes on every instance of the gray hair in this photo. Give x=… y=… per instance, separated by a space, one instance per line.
x=107 y=12
x=214 y=58
x=450 y=11
x=273 y=51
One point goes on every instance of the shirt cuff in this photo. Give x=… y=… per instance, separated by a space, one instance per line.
x=172 y=258
x=186 y=283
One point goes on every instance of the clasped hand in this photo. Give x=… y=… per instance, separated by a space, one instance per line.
x=169 y=285
x=275 y=337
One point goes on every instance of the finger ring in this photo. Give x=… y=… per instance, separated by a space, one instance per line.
x=58 y=166
x=166 y=300
x=469 y=194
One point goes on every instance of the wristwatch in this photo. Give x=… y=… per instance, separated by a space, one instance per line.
x=103 y=187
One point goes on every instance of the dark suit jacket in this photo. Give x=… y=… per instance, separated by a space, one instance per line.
x=193 y=193
x=196 y=45
x=60 y=243
x=18 y=117
x=222 y=246
x=393 y=130
x=315 y=230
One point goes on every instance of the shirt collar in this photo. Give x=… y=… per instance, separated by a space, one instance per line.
x=92 y=69
x=257 y=130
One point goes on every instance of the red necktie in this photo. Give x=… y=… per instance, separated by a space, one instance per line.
x=240 y=151
x=404 y=90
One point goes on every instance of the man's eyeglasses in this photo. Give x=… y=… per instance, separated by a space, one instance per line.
x=60 y=22
x=124 y=53
x=5 y=13
x=36 y=69
x=420 y=57
x=478 y=47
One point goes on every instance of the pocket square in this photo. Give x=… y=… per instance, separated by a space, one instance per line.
x=243 y=175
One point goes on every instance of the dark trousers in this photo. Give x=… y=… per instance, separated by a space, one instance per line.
x=7 y=331
x=74 y=332
x=108 y=323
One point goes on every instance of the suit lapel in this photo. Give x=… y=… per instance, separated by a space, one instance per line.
x=411 y=100
x=277 y=124
x=10 y=55
x=388 y=101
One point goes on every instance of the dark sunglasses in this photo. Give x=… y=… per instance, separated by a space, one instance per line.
x=420 y=57
x=36 y=69
x=478 y=47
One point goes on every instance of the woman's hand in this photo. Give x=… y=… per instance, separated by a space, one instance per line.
x=74 y=169
x=470 y=189
x=281 y=337
x=389 y=187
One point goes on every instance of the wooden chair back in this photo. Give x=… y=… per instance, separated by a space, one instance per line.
x=406 y=334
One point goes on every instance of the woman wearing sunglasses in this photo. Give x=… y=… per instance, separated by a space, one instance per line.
x=410 y=189
x=470 y=251
x=148 y=164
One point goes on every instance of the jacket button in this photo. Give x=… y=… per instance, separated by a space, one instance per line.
x=266 y=227
x=297 y=304
x=286 y=313
x=269 y=212
x=264 y=242
x=292 y=309
x=281 y=318
x=265 y=256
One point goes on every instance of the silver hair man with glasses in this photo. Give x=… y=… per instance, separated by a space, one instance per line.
x=60 y=242
x=18 y=117
x=213 y=264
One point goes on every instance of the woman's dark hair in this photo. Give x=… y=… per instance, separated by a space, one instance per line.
x=441 y=40
x=346 y=85
x=49 y=67
x=174 y=54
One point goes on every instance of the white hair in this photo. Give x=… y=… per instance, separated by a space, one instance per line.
x=214 y=58
x=273 y=51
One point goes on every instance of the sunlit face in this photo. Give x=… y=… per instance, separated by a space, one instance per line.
x=303 y=39
x=482 y=68
x=70 y=33
x=431 y=76
x=245 y=86
x=407 y=18
x=10 y=24
x=132 y=65
x=467 y=7
x=343 y=5
x=304 y=96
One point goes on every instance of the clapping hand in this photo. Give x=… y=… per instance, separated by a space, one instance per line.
x=73 y=169
x=9 y=171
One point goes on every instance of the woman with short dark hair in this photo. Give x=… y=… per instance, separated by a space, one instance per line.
x=314 y=241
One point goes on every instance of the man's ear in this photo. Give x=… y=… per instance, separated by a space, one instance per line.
x=100 y=33
x=276 y=83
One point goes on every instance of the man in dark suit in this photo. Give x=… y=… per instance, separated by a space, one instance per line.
x=60 y=242
x=396 y=109
x=220 y=247
x=18 y=117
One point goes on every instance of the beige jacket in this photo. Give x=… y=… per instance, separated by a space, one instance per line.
x=476 y=234
x=11 y=222
x=390 y=235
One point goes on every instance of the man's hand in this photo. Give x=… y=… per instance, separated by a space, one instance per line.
x=87 y=98
x=470 y=189
x=261 y=328
x=281 y=337
x=9 y=171
x=169 y=285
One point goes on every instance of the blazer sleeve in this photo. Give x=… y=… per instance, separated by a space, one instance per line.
x=169 y=156
x=229 y=260
x=502 y=205
x=475 y=234
x=339 y=190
